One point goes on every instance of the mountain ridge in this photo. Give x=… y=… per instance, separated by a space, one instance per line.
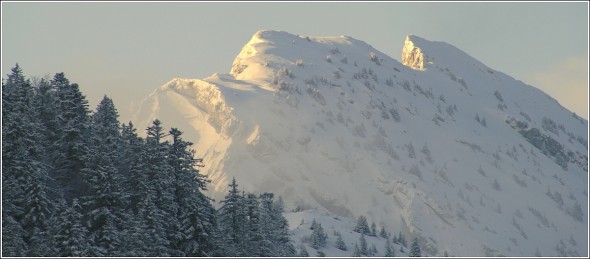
x=334 y=124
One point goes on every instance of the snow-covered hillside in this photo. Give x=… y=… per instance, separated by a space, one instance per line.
x=441 y=147
x=300 y=224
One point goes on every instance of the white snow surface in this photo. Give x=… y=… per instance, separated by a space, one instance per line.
x=300 y=225
x=313 y=119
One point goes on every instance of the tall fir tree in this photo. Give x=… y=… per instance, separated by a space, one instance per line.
x=255 y=238
x=23 y=171
x=232 y=220
x=415 y=249
x=389 y=250
x=72 y=146
x=318 y=237
x=362 y=226
x=134 y=165
x=105 y=199
x=340 y=243
x=194 y=219
x=70 y=234
x=363 y=247
x=383 y=233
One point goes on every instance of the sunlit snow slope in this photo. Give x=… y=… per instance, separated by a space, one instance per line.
x=441 y=147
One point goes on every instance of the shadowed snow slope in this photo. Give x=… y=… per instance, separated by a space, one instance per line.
x=445 y=149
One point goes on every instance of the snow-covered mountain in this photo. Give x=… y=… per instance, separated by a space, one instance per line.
x=440 y=146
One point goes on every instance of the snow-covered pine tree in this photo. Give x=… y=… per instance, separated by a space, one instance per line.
x=26 y=205
x=13 y=165
x=373 y=250
x=135 y=238
x=389 y=250
x=232 y=220
x=282 y=237
x=373 y=229
x=193 y=213
x=362 y=226
x=154 y=232
x=340 y=244
x=72 y=145
x=134 y=164
x=254 y=235
x=45 y=104
x=70 y=234
x=206 y=228
x=105 y=200
x=383 y=233
x=318 y=237
x=36 y=218
x=276 y=230
x=415 y=249
x=364 y=248
x=313 y=224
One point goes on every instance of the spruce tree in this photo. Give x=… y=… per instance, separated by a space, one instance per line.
x=232 y=220
x=255 y=238
x=276 y=231
x=134 y=166
x=282 y=236
x=389 y=250
x=157 y=244
x=415 y=249
x=71 y=235
x=362 y=226
x=373 y=229
x=340 y=243
x=364 y=249
x=318 y=237
x=313 y=224
x=26 y=205
x=72 y=146
x=105 y=198
x=36 y=219
x=374 y=250
x=383 y=233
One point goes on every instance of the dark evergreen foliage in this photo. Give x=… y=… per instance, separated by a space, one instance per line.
x=415 y=249
x=253 y=226
x=362 y=226
x=81 y=184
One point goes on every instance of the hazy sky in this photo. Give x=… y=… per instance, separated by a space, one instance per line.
x=127 y=50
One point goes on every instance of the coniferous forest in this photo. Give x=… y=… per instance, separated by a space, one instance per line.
x=77 y=182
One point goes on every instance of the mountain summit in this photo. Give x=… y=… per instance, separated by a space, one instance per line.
x=436 y=146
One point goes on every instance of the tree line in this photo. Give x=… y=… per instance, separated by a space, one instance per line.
x=79 y=183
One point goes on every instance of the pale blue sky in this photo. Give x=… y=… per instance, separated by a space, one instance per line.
x=126 y=50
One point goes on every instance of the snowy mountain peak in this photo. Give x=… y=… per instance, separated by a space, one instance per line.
x=331 y=123
x=270 y=52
